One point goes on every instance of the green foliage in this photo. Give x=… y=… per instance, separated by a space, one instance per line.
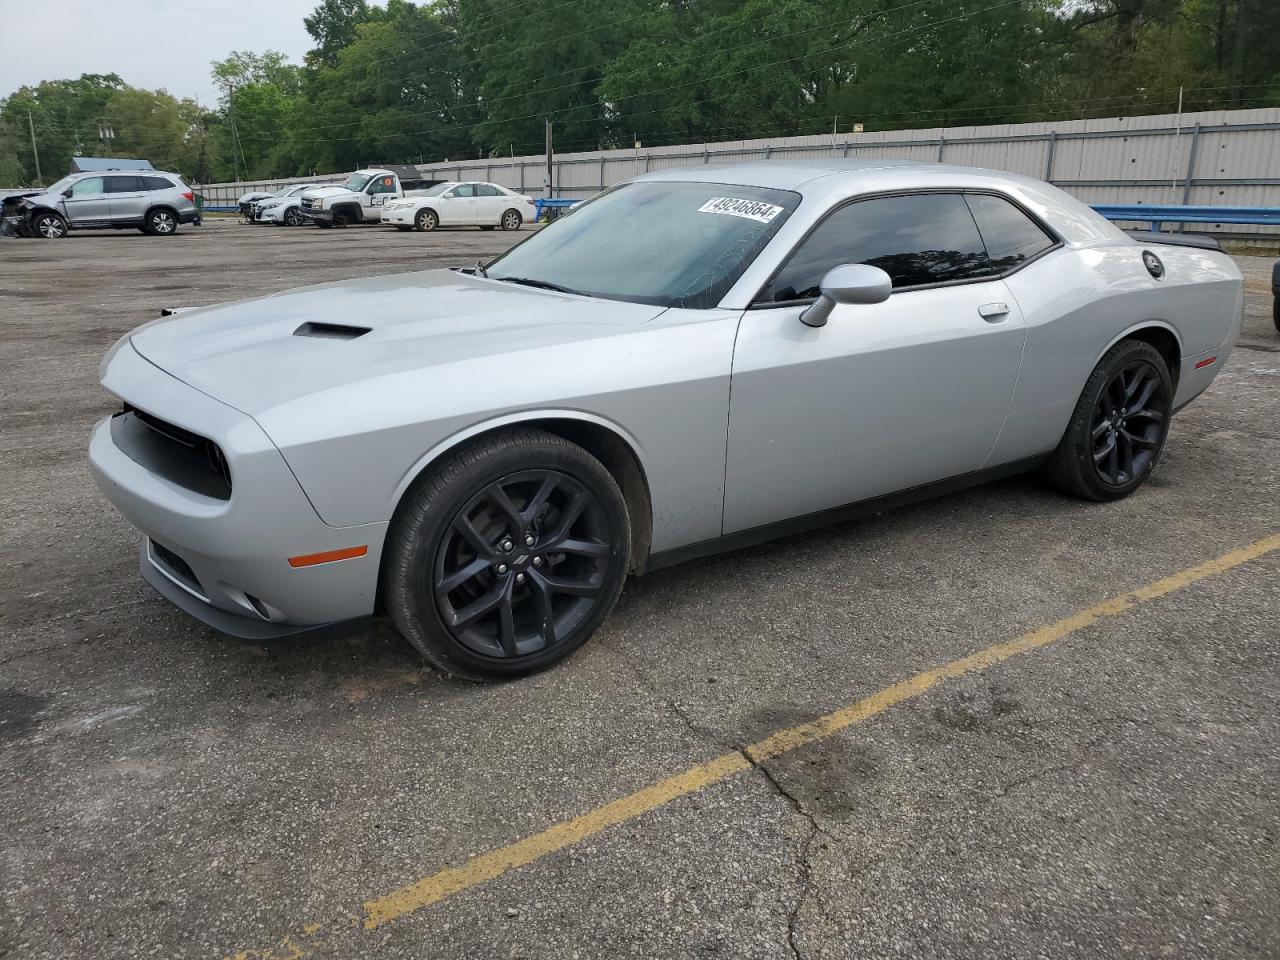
x=400 y=81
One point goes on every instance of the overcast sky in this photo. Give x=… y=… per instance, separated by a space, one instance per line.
x=165 y=44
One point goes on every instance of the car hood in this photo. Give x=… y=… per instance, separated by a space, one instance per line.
x=257 y=354
x=317 y=192
x=255 y=195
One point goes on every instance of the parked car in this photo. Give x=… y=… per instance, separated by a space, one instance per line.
x=694 y=360
x=474 y=204
x=247 y=200
x=283 y=207
x=360 y=198
x=153 y=202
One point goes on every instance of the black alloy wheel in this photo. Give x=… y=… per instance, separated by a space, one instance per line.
x=507 y=555
x=292 y=218
x=522 y=564
x=1118 y=428
x=1128 y=423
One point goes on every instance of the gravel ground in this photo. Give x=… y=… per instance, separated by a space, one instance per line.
x=173 y=793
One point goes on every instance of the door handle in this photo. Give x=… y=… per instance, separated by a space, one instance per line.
x=993 y=312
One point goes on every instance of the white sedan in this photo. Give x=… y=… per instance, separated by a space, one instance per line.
x=483 y=205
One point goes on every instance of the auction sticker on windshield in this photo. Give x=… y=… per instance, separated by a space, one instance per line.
x=749 y=209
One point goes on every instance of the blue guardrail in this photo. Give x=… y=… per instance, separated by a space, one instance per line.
x=1157 y=215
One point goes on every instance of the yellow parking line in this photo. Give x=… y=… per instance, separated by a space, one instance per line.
x=489 y=866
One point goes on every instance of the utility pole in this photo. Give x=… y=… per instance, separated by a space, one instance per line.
x=231 y=111
x=32 y=128
x=550 y=182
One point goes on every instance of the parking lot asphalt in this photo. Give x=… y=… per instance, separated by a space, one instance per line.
x=1082 y=778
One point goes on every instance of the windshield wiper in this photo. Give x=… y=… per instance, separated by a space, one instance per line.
x=540 y=284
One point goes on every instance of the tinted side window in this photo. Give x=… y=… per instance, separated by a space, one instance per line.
x=87 y=187
x=119 y=184
x=155 y=183
x=487 y=190
x=382 y=185
x=918 y=239
x=1010 y=235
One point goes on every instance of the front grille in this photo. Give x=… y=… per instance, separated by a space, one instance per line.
x=246 y=209
x=176 y=567
x=178 y=455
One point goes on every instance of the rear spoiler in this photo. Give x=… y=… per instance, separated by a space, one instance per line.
x=1200 y=240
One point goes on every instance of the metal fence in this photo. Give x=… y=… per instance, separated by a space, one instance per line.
x=1210 y=158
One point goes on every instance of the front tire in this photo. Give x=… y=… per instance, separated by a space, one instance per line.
x=506 y=556
x=292 y=218
x=1118 y=429
x=162 y=222
x=511 y=220
x=49 y=225
x=425 y=221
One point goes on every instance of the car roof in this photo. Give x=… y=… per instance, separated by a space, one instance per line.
x=824 y=182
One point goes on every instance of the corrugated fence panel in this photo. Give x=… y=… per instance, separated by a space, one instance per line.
x=1142 y=159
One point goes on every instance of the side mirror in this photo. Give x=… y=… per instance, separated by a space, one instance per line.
x=848 y=283
x=66 y=192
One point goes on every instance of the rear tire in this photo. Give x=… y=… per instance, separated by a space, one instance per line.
x=506 y=556
x=1118 y=429
x=1275 y=313
x=425 y=221
x=162 y=222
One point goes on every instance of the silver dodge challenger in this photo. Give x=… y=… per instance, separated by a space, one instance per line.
x=693 y=361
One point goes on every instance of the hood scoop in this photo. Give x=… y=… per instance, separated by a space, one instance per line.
x=331 y=331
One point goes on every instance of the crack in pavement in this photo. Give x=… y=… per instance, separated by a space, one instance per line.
x=804 y=867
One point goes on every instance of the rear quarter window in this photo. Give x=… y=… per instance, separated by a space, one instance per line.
x=1012 y=238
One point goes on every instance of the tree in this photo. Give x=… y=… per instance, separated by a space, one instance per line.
x=333 y=27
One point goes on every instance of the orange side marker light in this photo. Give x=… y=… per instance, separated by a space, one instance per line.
x=329 y=556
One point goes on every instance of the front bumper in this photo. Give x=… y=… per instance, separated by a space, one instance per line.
x=226 y=561
x=316 y=213
x=403 y=218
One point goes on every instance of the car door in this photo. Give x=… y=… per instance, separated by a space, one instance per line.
x=491 y=203
x=885 y=396
x=459 y=206
x=379 y=191
x=86 y=203
x=127 y=198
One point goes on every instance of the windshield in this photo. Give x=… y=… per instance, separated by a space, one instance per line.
x=355 y=183
x=60 y=185
x=438 y=189
x=285 y=191
x=666 y=243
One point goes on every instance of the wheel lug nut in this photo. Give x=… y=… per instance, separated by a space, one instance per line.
x=528 y=541
x=502 y=568
x=537 y=561
x=519 y=578
x=507 y=544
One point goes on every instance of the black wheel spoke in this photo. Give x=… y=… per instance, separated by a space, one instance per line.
x=474 y=537
x=539 y=499
x=546 y=613
x=486 y=604
x=1144 y=395
x=1138 y=440
x=498 y=497
x=568 y=516
x=507 y=622
x=585 y=548
x=460 y=576
x=1125 y=449
x=1154 y=415
x=1106 y=449
x=557 y=584
x=1101 y=427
